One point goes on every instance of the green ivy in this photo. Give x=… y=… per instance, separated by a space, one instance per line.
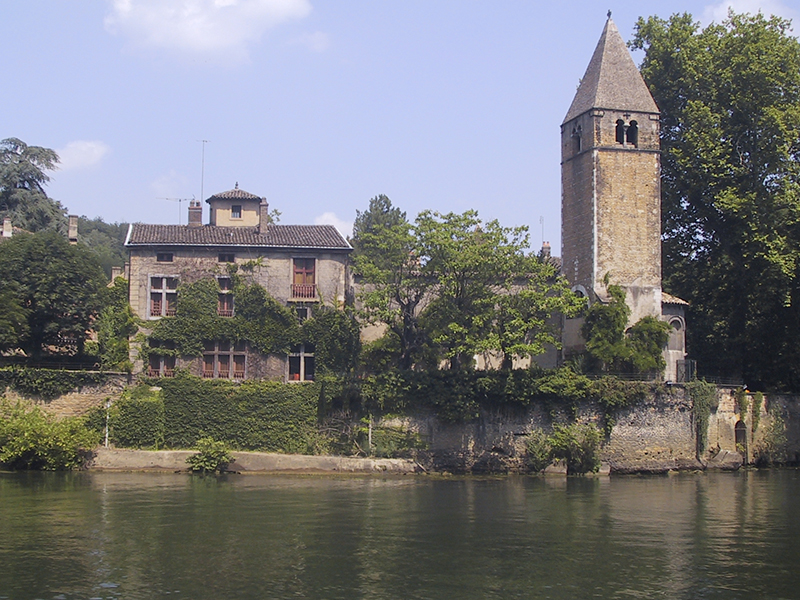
x=704 y=399
x=47 y=383
x=259 y=319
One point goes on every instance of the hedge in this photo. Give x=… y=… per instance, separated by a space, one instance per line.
x=258 y=415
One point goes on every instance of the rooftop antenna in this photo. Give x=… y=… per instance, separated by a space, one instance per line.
x=179 y=201
x=202 y=168
x=541 y=222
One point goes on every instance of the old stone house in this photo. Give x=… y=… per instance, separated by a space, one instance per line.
x=301 y=266
x=611 y=194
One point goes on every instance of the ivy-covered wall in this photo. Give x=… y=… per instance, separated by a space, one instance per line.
x=253 y=415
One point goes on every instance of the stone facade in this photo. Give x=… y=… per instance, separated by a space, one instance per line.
x=301 y=266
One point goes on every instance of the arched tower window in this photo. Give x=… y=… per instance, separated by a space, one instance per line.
x=632 y=135
x=621 y=132
x=576 y=136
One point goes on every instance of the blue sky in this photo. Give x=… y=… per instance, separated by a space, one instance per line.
x=317 y=105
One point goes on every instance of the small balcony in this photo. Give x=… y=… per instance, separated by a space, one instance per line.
x=225 y=312
x=304 y=291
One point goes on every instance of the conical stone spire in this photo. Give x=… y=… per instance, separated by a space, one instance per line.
x=612 y=80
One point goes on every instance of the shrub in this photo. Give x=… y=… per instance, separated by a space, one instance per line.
x=578 y=445
x=213 y=456
x=771 y=448
x=32 y=439
x=539 y=450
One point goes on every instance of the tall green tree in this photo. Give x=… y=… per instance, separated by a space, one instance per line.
x=22 y=178
x=386 y=257
x=59 y=286
x=451 y=286
x=729 y=97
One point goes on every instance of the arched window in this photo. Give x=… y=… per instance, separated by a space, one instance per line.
x=632 y=135
x=621 y=132
x=576 y=136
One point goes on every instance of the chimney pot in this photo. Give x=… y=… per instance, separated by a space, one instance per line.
x=263 y=216
x=195 y=214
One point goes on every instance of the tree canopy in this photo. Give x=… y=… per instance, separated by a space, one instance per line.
x=729 y=97
x=452 y=286
x=58 y=288
x=22 y=178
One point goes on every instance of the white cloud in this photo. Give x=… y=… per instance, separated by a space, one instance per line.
x=81 y=153
x=329 y=218
x=218 y=27
x=316 y=42
x=718 y=11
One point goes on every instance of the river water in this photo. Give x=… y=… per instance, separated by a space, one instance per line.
x=110 y=535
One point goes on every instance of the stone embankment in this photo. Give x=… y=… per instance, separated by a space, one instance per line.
x=108 y=459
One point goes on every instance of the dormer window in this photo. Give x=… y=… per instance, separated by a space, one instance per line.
x=236 y=211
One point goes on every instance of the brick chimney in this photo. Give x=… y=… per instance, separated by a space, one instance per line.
x=115 y=272
x=195 y=213
x=263 y=215
x=545 y=250
x=8 y=230
x=73 y=229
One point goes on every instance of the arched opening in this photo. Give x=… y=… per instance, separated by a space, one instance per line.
x=632 y=135
x=621 y=132
x=740 y=434
x=576 y=137
x=676 y=335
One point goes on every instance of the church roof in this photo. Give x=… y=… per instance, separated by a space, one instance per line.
x=612 y=80
x=275 y=236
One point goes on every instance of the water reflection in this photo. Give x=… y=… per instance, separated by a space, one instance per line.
x=108 y=535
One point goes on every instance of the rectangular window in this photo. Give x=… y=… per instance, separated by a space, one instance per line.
x=225 y=297
x=303 y=281
x=227 y=258
x=164 y=257
x=223 y=360
x=236 y=211
x=161 y=366
x=302 y=313
x=163 y=296
x=301 y=363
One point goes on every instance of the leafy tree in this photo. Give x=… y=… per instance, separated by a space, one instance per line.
x=105 y=240
x=13 y=319
x=613 y=349
x=452 y=286
x=385 y=257
x=729 y=97
x=22 y=178
x=58 y=286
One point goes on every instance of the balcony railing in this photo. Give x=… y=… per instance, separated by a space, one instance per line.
x=159 y=373
x=306 y=291
x=225 y=312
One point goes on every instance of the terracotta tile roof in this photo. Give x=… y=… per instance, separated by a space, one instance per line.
x=670 y=299
x=234 y=194
x=612 y=80
x=275 y=236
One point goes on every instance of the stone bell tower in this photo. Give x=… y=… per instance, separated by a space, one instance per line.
x=610 y=178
